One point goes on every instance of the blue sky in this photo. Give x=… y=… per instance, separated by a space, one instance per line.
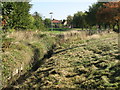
x=60 y=8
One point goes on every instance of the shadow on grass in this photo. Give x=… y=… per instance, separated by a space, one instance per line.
x=69 y=49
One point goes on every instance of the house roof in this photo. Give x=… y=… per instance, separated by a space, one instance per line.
x=56 y=21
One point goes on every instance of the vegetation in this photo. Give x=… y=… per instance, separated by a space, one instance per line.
x=102 y=15
x=110 y=14
x=47 y=23
x=21 y=50
x=59 y=29
x=79 y=64
x=69 y=20
x=33 y=57
x=16 y=17
x=79 y=20
x=38 y=23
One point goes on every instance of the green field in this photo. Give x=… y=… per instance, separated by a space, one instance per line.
x=92 y=63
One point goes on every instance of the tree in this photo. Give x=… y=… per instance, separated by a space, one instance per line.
x=38 y=22
x=47 y=22
x=110 y=14
x=91 y=14
x=69 y=20
x=16 y=14
x=31 y=20
x=79 y=20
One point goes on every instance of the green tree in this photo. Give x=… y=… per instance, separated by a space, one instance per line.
x=16 y=14
x=47 y=22
x=91 y=14
x=79 y=20
x=69 y=20
x=31 y=20
x=38 y=22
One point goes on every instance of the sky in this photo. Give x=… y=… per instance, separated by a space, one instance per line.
x=60 y=8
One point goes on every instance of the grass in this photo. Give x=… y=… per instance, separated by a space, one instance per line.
x=59 y=29
x=21 y=49
x=92 y=63
x=55 y=32
x=79 y=61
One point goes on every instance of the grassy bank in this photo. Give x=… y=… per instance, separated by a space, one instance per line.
x=21 y=50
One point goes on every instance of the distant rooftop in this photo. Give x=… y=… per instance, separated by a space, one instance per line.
x=56 y=21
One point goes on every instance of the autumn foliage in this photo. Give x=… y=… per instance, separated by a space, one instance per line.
x=109 y=13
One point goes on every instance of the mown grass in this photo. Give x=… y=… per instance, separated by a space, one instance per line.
x=90 y=64
x=55 y=32
x=59 y=29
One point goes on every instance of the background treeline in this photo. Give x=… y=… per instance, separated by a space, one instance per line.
x=100 y=15
x=15 y=15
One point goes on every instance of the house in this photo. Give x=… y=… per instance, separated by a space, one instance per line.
x=56 y=23
x=59 y=23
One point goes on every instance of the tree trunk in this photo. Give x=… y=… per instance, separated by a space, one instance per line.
x=105 y=26
x=99 y=28
x=82 y=28
x=113 y=27
x=118 y=26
